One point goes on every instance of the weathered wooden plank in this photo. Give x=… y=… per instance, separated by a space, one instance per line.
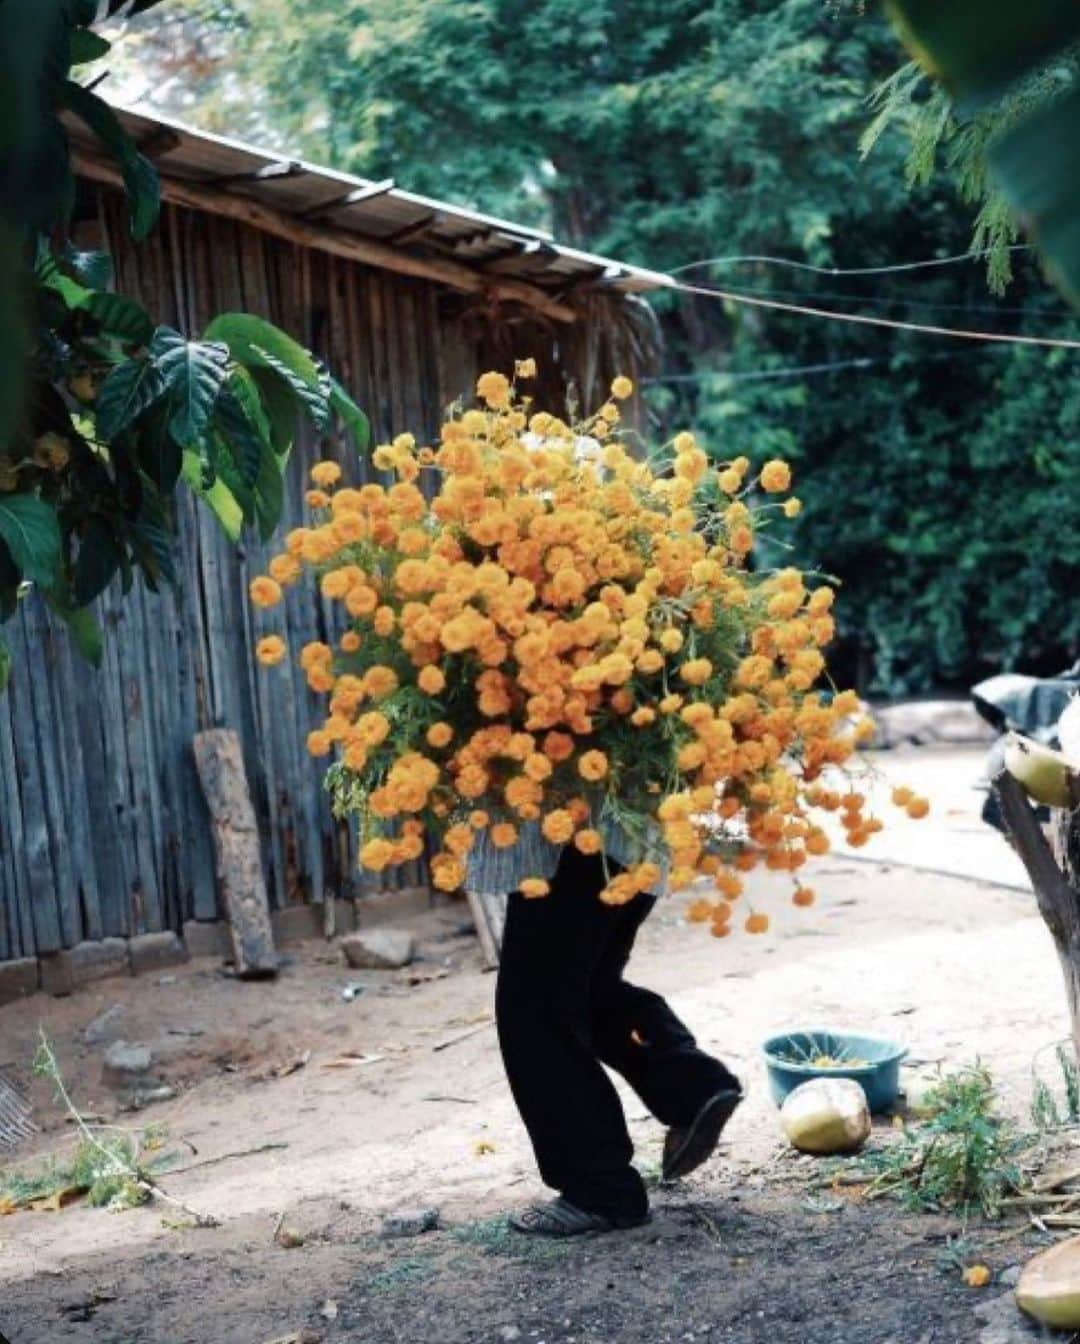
x=219 y=759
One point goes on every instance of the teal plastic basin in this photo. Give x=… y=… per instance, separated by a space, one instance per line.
x=879 y=1077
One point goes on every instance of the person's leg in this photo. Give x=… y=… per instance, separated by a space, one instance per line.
x=551 y=948
x=637 y=1034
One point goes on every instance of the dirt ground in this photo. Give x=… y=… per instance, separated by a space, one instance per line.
x=301 y=1112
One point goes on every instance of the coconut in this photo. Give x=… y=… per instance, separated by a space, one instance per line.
x=1049 y=1286
x=826 y=1115
x=1044 y=773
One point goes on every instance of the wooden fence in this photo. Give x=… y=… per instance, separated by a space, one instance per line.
x=103 y=830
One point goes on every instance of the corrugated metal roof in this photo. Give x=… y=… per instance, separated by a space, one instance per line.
x=380 y=212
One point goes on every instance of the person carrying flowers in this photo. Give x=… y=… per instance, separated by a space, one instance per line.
x=558 y=670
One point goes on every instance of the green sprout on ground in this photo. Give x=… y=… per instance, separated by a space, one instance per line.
x=964 y=1159
x=110 y=1166
x=1053 y=1108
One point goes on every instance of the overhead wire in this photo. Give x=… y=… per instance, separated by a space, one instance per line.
x=865 y=319
x=794 y=265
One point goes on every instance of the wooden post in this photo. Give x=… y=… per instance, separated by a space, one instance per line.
x=489 y=916
x=236 y=844
x=1055 y=875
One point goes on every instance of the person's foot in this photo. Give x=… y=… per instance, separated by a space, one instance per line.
x=686 y=1147
x=560 y=1218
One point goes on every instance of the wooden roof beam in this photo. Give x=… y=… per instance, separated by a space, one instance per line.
x=354 y=197
x=338 y=242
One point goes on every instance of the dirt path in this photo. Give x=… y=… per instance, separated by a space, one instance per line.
x=952 y=968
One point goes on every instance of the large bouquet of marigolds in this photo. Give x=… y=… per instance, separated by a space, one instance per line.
x=545 y=628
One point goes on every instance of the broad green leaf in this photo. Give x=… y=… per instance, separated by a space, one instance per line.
x=1037 y=166
x=87 y=46
x=97 y=562
x=217 y=497
x=978 y=48
x=269 y=494
x=350 y=415
x=30 y=528
x=256 y=343
x=279 y=406
x=128 y=390
x=83 y=626
x=312 y=400
x=241 y=423
x=120 y=317
x=194 y=372
x=5 y=666
x=140 y=179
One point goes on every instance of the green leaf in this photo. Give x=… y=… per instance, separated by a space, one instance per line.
x=83 y=627
x=1037 y=166
x=121 y=317
x=978 y=48
x=128 y=390
x=351 y=416
x=140 y=178
x=241 y=424
x=256 y=343
x=5 y=666
x=269 y=494
x=30 y=528
x=218 y=497
x=98 y=560
x=87 y=46
x=194 y=372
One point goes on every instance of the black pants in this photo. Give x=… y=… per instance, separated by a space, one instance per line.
x=564 y=1010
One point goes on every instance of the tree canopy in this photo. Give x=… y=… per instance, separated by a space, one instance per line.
x=669 y=131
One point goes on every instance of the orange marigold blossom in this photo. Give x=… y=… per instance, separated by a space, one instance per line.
x=544 y=630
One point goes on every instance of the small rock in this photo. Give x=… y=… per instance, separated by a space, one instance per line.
x=1010 y=1277
x=105 y=1027
x=410 y=1222
x=126 y=1065
x=378 y=949
x=1004 y=1324
x=509 y=1332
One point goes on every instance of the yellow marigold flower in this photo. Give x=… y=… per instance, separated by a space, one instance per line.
x=326 y=474
x=671 y=640
x=642 y=717
x=558 y=826
x=317 y=499
x=503 y=834
x=285 y=569
x=479 y=819
x=696 y=672
x=792 y=507
x=670 y=703
x=621 y=387
x=377 y=854
x=775 y=476
x=494 y=388
x=533 y=887
x=588 y=841
x=384 y=621
x=439 y=735
x=558 y=746
x=319 y=742
x=270 y=650
x=264 y=591
x=447 y=872
x=593 y=766
x=730 y=481
x=431 y=680
x=525 y=368
x=350 y=641
x=380 y=681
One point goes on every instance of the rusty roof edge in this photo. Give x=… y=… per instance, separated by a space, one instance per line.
x=634 y=279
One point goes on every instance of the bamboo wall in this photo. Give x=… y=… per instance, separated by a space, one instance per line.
x=103 y=830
